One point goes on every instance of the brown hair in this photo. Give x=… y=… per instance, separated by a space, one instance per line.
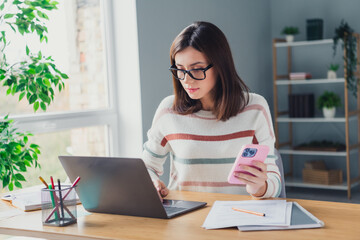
x=230 y=92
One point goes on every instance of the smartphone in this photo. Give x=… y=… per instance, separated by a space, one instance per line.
x=247 y=154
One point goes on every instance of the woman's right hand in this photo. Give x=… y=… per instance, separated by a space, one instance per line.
x=161 y=188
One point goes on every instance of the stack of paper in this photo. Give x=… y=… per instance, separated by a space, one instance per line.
x=279 y=214
x=222 y=214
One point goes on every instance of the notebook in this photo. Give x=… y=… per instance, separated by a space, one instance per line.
x=27 y=199
x=121 y=186
x=300 y=218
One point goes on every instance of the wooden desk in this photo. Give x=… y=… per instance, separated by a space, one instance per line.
x=342 y=221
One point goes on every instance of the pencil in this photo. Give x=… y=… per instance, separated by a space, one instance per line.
x=248 y=211
x=43 y=181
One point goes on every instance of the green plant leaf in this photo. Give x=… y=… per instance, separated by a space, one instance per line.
x=8 y=91
x=18 y=184
x=27 y=163
x=33 y=98
x=43 y=106
x=20 y=177
x=11 y=186
x=45 y=98
x=21 y=96
x=6 y=16
x=6 y=181
x=36 y=106
x=47 y=82
x=39 y=68
x=63 y=75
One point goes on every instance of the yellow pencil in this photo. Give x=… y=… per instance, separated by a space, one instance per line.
x=43 y=181
x=248 y=211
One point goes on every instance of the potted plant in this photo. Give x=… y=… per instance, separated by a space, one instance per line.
x=344 y=35
x=328 y=102
x=33 y=78
x=290 y=32
x=16 y=154
x=331 y=74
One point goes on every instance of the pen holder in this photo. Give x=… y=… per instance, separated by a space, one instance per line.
x=58 y=206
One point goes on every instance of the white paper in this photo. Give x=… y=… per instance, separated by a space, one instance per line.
x=269 y=227
x=222 y=215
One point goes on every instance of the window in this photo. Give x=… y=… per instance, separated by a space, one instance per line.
x=82 y=120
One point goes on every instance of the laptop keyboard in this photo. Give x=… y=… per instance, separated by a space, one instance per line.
x=172 y=210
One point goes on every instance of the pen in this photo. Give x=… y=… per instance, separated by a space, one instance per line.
x=72 y=185
x=61 y=200
x=55 y=197
x=53 y=201
x=248 y=211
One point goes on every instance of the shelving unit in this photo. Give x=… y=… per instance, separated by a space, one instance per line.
x=287 y=148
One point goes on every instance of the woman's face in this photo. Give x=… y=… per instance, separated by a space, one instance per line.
x=190 y=58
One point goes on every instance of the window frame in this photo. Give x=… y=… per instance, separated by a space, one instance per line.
x=59 y=121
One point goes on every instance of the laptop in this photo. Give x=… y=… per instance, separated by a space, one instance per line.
x=121 y=186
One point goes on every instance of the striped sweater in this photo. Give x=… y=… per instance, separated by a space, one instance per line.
x=202 y=149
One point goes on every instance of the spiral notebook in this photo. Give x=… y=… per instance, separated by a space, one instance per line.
x=300 y=218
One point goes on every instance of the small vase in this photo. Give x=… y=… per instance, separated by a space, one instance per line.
x=289 y=38
x=331 y=74
x=329 y=112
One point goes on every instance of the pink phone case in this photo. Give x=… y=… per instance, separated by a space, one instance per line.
x=245 y=157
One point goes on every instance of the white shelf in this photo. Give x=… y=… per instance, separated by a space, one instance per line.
x=310 y=81
x=299 y=183
x=304 y=43
x=314 y=120
x=314 y=153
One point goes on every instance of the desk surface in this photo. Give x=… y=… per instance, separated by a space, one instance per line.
x=342 y=221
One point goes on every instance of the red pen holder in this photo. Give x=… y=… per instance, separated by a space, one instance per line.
x=58 y=206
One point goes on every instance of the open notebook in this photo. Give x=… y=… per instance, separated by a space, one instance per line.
x=300 y=218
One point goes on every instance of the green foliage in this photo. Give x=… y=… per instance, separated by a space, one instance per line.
x=37 y=76
x=16 y=154
x=34 y=79
x=345 y=33
x=290 y=30
x=328 y=100
x=334 y=67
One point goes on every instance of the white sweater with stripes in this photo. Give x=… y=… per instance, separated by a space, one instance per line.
x=202 y=149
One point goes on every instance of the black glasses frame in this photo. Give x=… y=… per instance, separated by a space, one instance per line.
x=173 y=70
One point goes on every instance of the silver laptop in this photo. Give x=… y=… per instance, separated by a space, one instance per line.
x=121 y=186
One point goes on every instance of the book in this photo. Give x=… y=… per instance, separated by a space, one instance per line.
x=27 y=199
x=299 y=76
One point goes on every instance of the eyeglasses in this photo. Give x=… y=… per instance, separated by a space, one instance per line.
x=197 y=73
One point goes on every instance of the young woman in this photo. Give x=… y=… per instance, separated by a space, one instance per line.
x=205 y=123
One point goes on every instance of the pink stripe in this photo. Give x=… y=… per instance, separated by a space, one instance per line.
x=206 y=184
x=262 y=109
x=185 y=136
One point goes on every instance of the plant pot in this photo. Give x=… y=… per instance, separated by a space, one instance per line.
x=289 y=38
x=329 y=112
x=331 y=74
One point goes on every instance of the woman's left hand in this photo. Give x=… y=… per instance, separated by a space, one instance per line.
x=255 y=185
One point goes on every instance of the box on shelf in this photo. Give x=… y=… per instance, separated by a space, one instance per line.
x=317 y=172
x=328 y=177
